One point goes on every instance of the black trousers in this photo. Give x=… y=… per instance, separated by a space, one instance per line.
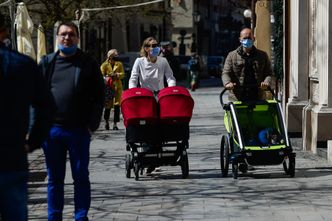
x=107 y=113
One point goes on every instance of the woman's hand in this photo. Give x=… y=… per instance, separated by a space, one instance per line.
x=116 y=75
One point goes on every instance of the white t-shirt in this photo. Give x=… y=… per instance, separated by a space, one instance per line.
x=151 y=75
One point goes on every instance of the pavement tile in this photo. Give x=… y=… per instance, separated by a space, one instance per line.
x=265 y=194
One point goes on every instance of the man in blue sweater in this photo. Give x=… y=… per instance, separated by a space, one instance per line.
x=21 y=87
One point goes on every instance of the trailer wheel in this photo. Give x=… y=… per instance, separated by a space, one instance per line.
x=235 y=170
x=224 y=155
x=289 y=166
x=243 y=168
x=285 y=165
x=291 y=169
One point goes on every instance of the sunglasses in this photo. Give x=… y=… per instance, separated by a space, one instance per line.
x=152 y=45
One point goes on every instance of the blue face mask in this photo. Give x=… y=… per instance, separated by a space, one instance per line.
x=247 y=43
x=155 y=52
x=67 y=50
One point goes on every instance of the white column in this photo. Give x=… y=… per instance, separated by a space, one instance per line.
x=294 y=49
x=299 y=68
x=320 y=111
x=323 y=48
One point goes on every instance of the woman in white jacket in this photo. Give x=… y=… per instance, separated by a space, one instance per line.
x=150 y=70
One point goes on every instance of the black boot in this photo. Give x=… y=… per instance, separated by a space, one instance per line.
x=107 y=126
x=106 y=118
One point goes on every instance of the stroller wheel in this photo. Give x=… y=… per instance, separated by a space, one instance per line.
x=128 y=165
x=224 y=155
x=185 y=166
x=136 y=170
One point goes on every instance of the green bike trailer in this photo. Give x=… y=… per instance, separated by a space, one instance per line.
x=256 y=136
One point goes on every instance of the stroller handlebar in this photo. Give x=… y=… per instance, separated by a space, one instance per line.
x=247 y=86
x=220 y=97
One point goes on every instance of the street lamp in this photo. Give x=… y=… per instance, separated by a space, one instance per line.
x=182 y=49
x=247 y=13
x=248 y=18
x=196 y=18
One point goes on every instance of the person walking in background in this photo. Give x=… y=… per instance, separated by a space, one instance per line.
x=246 y=70
x=168 y=52
x=77 y=86
x=150 y=70
x=21 y=87
x=194 y=68
x=113 y=73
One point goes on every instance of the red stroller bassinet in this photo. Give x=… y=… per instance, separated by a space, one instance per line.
x=139 y=110
x=175 y=112
x=157 y=138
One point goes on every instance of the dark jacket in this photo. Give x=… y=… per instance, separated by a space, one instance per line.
x=234 y=68
x=21 y=87
x=89 y=89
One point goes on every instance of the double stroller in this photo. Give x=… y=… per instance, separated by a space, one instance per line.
x=157 y=128
x=256 y=135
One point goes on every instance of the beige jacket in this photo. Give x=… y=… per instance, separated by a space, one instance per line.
x=234 y=68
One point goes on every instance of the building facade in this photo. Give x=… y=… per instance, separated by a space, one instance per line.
x=125 y=29
x=308 y=67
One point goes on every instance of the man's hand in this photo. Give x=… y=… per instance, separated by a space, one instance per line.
x=27 y=148
x=264 y=85
x=230 y=86
x=90 y=132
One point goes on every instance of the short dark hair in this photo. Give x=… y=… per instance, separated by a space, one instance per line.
x=70 y=24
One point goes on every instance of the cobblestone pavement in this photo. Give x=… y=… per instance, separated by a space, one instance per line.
x=263 y=194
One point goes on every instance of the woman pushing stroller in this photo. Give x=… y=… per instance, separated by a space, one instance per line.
x=150 y=71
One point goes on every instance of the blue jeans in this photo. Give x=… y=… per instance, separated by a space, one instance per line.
x=14 y=196
x=77 y=143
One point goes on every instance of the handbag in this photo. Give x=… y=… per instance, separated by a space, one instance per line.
x=109 y=89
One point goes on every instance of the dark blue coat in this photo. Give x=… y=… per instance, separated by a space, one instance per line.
x=21 y=87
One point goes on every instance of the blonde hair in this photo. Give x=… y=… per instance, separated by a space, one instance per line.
x=112 y=53
x=143 y=53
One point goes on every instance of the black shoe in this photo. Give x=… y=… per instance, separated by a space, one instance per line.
x=115 y=127
x=107 y=126
x=149 y=170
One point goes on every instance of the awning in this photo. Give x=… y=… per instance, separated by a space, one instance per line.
x=24 y=28
x=41 y=43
